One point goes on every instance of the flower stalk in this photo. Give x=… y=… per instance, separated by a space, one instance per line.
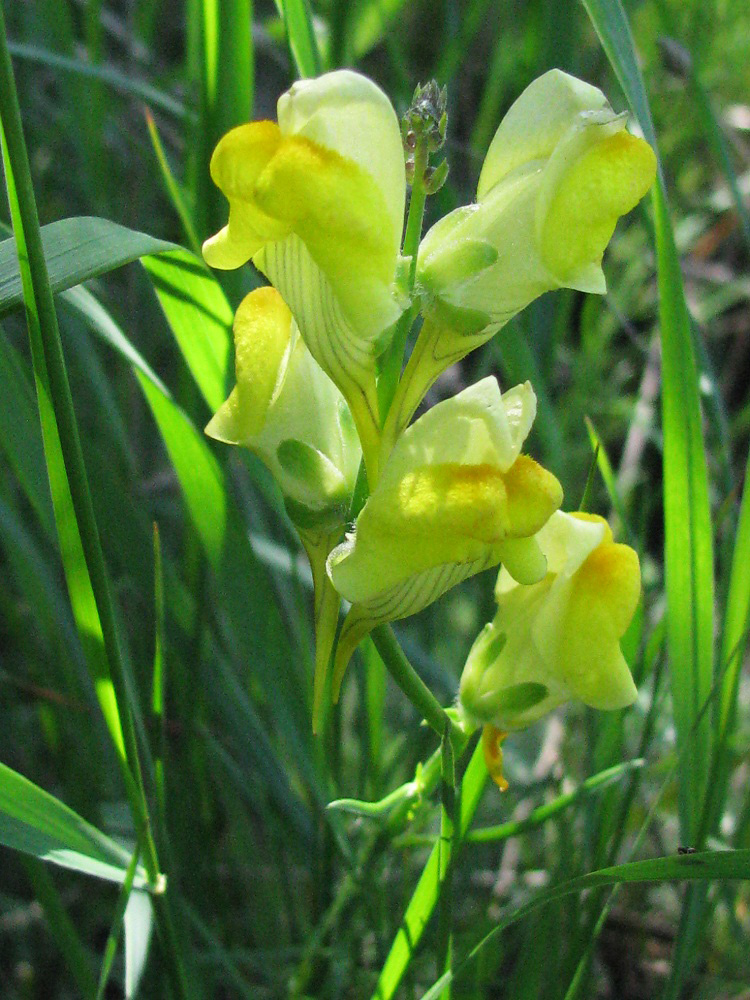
x=423 y=128
x=413 y=686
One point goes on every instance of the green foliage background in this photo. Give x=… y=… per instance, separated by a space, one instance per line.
x=270 y=893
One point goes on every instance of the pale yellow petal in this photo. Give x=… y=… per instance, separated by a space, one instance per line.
x=337 y=210
x=349 y=114
x=585 y=194
x=535 y=123
x=262 y=331
x=239 y=158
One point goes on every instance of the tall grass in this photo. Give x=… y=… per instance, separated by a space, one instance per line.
x=156 y=685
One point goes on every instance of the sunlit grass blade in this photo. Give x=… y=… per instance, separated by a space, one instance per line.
x=688 y=530
x=687 y=515
x=301 y=35
x=426 y=895
x=35 y=822
x=733 y=643
x=138 y=923
x=68 y=478
x=702 y=866
x=75 y=250
x=82 y=303
x=171 y=185
x=733 y=635
x=80 y=545
x=110 y=947
x=199 y=317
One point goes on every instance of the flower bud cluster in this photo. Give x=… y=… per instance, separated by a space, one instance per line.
x=423 y=129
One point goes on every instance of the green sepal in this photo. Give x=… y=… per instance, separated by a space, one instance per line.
x=462 y=322
x=520 y=697
x=315 y=474
x=457 y=263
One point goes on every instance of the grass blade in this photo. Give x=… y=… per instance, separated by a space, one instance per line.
x=35 y=822
x=426 y=895
x=75 y=250
x=76 y=956
x=138 y=923
x=302 y=42
x=119 y=82
x=110 y=947
x=700 y=867
x=687 y=516
x=688 y=530
x=56 y=407
x=199 y=316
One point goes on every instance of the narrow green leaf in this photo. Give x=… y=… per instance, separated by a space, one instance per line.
x=301 y=35
x=699 y=867
x=19 y=432
x=56 y=408
x=110 y=947
x=75 y=954
x=687 y=515
x=236 y=70
x=81 y=302
x=171 y=185
x=199 y=316
x=75 y=250
x=120 y=82
x=35 y=822
x=139 y=921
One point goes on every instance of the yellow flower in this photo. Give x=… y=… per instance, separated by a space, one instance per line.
x=560 y=638
x=560 y=171
x=286 y=410
x=317 y=202
x=454 y=498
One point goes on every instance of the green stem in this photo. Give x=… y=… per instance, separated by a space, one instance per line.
x=416 y=209
x=394 y=358
x=43 y=328
x=447 y=842
x=376 y=843
x=413 y=686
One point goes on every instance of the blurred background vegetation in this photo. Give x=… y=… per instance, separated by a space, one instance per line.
x=272 y=896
